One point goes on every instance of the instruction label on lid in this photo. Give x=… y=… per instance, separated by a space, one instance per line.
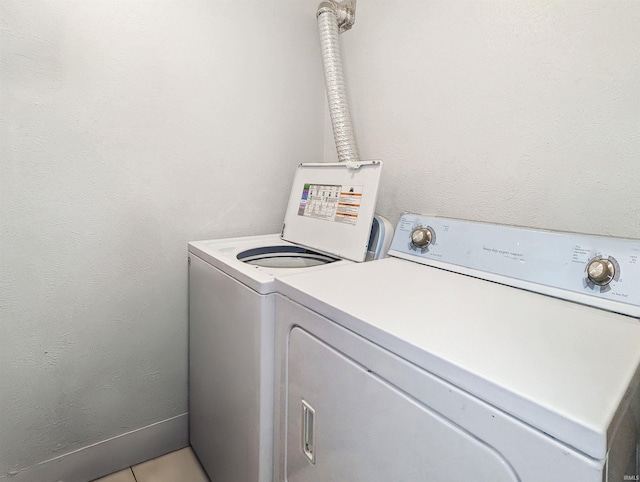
x=331 y=202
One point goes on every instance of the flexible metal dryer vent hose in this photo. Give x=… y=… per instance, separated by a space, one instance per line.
x=334 y=18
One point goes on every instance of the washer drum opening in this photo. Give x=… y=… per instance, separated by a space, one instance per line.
x=284 y=257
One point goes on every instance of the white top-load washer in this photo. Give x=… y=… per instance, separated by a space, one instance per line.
x=328 y=223
x=474 y=352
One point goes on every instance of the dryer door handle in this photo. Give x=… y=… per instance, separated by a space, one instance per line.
x=308 y=432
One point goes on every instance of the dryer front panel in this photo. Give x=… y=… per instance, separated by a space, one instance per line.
x=345 y=421
x=349 y=409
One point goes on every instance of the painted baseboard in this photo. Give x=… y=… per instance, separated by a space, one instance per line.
x=111 y=455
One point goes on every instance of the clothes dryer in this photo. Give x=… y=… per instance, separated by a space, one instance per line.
x=329 y=222
x=473 y=352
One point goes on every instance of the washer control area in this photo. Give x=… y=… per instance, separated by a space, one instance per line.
x=595 y=268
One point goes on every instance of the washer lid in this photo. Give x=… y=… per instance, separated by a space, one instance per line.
x=331 y=207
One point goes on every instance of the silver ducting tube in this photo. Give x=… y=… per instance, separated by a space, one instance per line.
x=328 y=24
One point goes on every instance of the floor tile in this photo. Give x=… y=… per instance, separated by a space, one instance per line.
x=179 y=466
x=123 y=476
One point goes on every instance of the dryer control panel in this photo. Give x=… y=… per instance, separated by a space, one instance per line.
x=597 y=270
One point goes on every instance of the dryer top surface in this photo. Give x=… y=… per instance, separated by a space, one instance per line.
x=559 y=366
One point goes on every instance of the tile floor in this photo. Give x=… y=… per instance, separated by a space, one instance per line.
x=179 y=466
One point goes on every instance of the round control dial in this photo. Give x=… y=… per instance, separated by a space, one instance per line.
x=601 y=271
x=421 y=237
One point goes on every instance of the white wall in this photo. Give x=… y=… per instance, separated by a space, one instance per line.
x=127 y=129
x=522 y=112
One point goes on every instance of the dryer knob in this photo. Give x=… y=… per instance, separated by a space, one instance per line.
x=601 y=271
x=421 y=237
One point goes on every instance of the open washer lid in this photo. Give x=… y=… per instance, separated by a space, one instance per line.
x=331 y=208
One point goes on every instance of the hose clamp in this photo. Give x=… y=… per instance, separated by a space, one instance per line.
x=345 y=12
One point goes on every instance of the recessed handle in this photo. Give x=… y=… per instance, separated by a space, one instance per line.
x=308 y=432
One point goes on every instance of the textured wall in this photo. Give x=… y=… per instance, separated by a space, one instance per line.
x=127 y=129
x=522 y=112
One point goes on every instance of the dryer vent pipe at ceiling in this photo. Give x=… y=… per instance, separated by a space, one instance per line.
x=333 y=19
